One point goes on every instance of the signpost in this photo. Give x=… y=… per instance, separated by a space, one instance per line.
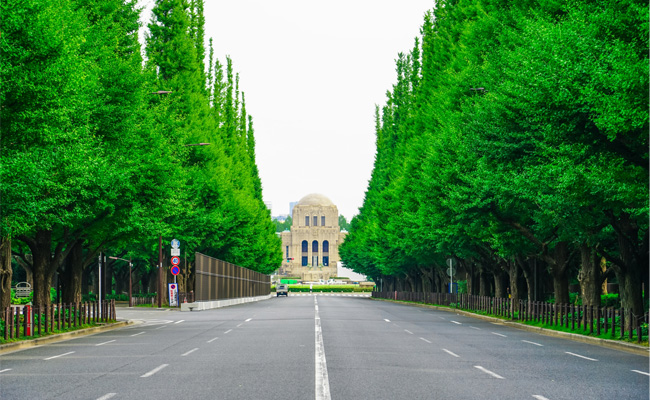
x=451 y=271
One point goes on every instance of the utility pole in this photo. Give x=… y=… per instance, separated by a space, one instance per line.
x=160 y=272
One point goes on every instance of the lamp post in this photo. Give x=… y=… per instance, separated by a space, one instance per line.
x=130 y=270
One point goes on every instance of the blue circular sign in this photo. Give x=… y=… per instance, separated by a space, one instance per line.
x=175 y=270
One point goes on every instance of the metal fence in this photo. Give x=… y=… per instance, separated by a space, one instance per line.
x=217 y=280
x=571 y=317
x=17 y=323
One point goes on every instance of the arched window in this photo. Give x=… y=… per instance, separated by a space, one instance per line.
x=305 y=246
x=326 y=246
x=307 y=220
x=315 y=220
x=314 y=246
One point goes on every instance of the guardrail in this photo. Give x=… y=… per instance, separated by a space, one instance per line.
x=55 y=317
x=583 y=319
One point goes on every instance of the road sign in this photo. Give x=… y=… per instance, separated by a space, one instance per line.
x=173 y=294
x=175 y=270
x=176 y=260
x=176 y=243
x=176 y=252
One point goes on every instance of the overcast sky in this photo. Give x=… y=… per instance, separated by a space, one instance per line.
x=312 y=73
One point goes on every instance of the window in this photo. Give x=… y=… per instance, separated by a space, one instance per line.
x=307 y=220
x=322 y=220
x=326 y=246
x=305 y=246
x=304 y=261
x=315 y=220
x=326 y=260
x=287 y=251
x=314 y=246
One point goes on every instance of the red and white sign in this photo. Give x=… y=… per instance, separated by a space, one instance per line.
x=176 y=260
x=175 y=270
x=173 y=294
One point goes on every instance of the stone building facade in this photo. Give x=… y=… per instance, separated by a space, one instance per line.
x=311 y=247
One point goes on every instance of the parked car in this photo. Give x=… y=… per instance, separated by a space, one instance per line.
x=282 y=290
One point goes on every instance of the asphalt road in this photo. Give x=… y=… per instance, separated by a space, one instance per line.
x=319 y=347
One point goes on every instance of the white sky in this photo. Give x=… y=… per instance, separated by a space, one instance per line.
x=312 y=73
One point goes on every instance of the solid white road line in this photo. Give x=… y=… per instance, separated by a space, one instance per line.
x=153 y=371
x=229 y=330
x=425 y=340
x=578 y=355
x=633 y=370
x=189 y=352
x=407 y=331
x=101 y=344
x=107 y=396
x=538 y=397
x=456 y=322
x=60 y=355
x=212 y=340
x=322 y=383
x=451 y=353
x=536 y=344
x=138 y=334
x=498 y=334
x=5 y=370
x=489 y=372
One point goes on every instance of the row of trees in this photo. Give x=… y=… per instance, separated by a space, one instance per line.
x=515 y=139
x=97 y=151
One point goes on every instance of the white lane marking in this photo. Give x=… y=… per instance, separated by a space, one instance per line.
x=425 y=340
x=407 y=331
x=189 y=352
x=5 y=370
x=322 y=383
x=538 y=397
x=248 y=320
x=164 y=326
x=633 y=370
x=239 y=325
x=498 y=334
x=536 y=344
x=229 y=330
x=153 y=371
x=387 y=320
x=473 y=327
x=449 y=352
x=317 y=308
x=139 y=333
x=489 y=372
x=456 y=322
x=60 y=355
x=578 y=355
x=212 y=340
x=107 y=396
x=178 y=322
x=101 y=344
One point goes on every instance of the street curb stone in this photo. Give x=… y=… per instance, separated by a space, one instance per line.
x=25 y=344
x=611 y=344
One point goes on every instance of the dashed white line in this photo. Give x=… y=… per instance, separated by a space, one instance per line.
x=164 y=326
x=456 y=322
x=229 y=330
x=387 y=320
x=153 y=371
x=212 y=340
x=189 y=352
x=60 y=355
x=489 y=372
x=5 y=370
x=137 y=334
x=633 y=370
x=107 y=396
x=101 y=344
x=498 y=334
x=248 y=320
x=578 y=355
x=407 y=331
x=425 y=340
x=538 y=397
x=239 y=325
x=451 y=353
x=473 y=327
x=178 y=322
x=536 y=344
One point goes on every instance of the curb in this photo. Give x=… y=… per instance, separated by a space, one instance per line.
x=25 y=344
x=611 y=344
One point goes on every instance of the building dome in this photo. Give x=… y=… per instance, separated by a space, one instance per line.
x=315 y=199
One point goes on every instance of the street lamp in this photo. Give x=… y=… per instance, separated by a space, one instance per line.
x=130 y=266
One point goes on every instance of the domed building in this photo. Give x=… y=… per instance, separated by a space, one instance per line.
x=311 y=248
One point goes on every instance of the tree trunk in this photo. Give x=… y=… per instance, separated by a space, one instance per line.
x=514 y=281
x=72 y=274
x=42 y=267
x=558 y=269
x=500 y=284
x=589 y=276
x=5 y=272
